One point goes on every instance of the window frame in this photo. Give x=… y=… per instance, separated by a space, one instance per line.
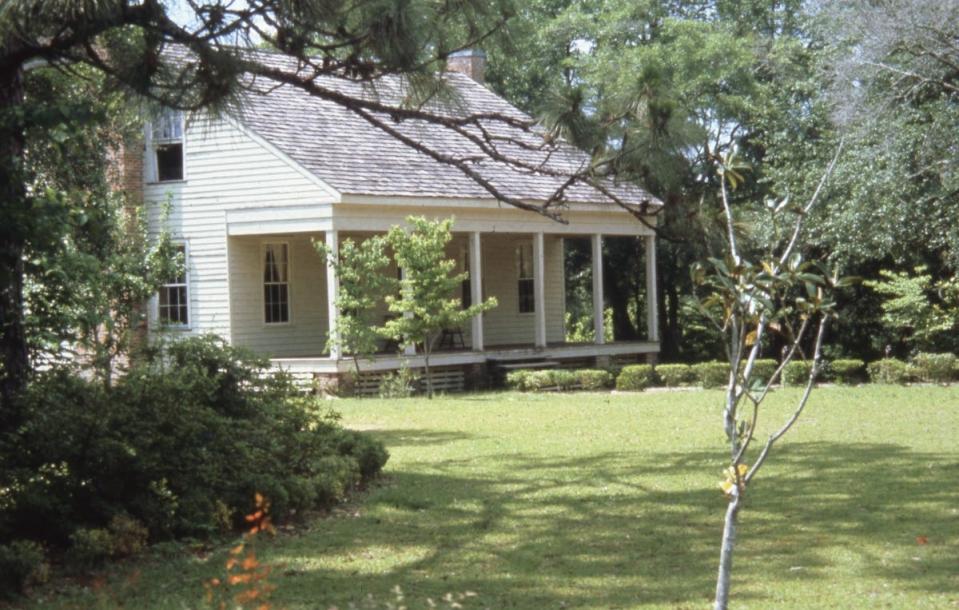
x=518 y=255
x=177 y=243
x=153 y=144
x=289 y=282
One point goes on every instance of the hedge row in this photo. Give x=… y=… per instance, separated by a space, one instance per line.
x=934 y=368
x=559 y=379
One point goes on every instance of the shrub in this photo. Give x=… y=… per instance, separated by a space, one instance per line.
x=594 y=379
x=537 y=381
x=712 y=374
x=888 y=370
x=401 y=383
x=518 y=380
x=764 y=368
x=635 y=377
x=674 y=375
x=847 y=371
x=22 y=564
x=797 y=372
x=177 y=447
x=935 y=368
x=564 y=380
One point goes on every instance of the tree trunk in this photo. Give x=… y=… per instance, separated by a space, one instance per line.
x=726 y=553
x=426 y=369
x=13 y=375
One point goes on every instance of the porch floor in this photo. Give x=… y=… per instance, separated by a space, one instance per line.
x=453 y=357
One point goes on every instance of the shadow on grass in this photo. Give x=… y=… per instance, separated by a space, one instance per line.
x=418 y=437
x=615 y=530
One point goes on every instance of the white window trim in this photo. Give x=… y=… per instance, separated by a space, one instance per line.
x=522 y=244
x=151 y=158
x=289 y=282
x=189 y=304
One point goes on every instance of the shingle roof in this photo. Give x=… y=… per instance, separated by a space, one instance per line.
x=357 y=158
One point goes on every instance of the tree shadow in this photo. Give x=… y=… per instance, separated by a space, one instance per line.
x=418 y=437
x=605 y=531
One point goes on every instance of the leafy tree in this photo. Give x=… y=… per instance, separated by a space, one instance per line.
x=426 y=304
x=658 y=91
x=753 y=293
x=363 y=285
x=918 y=310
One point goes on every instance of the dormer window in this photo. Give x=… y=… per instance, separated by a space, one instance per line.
x=168 y=146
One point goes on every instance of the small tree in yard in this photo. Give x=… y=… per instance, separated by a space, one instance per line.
x=778 y=292
x=363 y=284
x=426 y=303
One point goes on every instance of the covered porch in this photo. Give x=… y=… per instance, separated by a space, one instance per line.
x=283 y=296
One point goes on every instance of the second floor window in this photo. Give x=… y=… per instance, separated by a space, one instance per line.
x=168 y=146
x=174 y=297
x=276 y=283
x=524 y=268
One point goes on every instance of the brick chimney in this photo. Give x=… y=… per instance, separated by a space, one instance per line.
x=471 y=62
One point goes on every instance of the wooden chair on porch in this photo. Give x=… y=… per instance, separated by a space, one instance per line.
x=449 y=337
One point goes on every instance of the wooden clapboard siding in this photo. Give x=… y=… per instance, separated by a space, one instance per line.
x=504 y=325
x=227 y=168
x=306 y=333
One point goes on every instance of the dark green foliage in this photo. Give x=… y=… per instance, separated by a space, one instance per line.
x=178 y=445
x=889 y=370
x=712 y=374
x=764 y=369
x=22 y=563
x=847 y=371
x=797 y=372
x=517 y=380
x=594 y=379
x=635 y=377
x=675 y=375
x=935 y=368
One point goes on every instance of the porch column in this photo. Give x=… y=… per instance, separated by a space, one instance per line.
x=408 y=350
x=598 y=327
x=539 y=289
x=652 y=305
x=332 y=291
x=476 y=289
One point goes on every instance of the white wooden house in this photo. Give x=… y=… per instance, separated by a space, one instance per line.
x=246 y=195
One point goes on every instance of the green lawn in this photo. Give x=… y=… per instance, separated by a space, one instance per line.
x=611 y=501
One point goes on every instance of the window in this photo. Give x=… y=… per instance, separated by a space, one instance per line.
x=168 y=146
x=276 y=283
x=524 y=268
x=174 y=297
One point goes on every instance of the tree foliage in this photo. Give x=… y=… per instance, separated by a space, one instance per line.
x=426 y=304
x=363 y=285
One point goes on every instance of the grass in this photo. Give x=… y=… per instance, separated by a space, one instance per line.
x=611 y=501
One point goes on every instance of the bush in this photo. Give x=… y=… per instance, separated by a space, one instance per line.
x=518 y=380
x=594 y=379
x=847 y=371
x=889 y=370
x=764 y=368
x=797 y=372
x=177 y=448
x=935 y=368
x=401 y=383
x=22 y=564
x=712 y=374
x=674 y=375
x=635 y=377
